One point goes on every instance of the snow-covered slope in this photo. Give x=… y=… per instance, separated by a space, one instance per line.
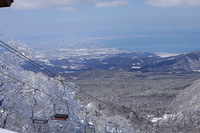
x=189 y=99
x=185 y=111
x=6 y=131
x=29 y=96
x=32 y=99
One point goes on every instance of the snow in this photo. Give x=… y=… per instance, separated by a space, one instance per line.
x=33 y=99
x=90 y=106
x=69 y=72
x=171 y=59
x=142 y=61
x=196 y=70
x=156 y=119
x=104 y=62
x=6 y=131
x=138 y=67
x=64 y=66
x=163 y=54
x=164 y=117
x=31 y=96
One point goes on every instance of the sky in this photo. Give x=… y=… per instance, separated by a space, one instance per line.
x=57 y=20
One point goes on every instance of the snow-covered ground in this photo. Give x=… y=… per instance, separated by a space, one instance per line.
x=30 y=97
x=6 y=131
x=163 y=54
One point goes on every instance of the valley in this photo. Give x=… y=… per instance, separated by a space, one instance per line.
x=138 y=84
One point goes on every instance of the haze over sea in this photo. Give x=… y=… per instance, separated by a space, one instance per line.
x=156 y=43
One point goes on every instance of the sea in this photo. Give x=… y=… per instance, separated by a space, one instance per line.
x=155 y=43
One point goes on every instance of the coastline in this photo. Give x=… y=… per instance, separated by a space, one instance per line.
x=154 y=43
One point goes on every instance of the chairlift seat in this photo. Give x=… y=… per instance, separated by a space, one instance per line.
x=5 y=3
x=60 y=117
x=40 y=121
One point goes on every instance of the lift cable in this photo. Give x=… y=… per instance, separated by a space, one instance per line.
x=103 y=103
x=35 y=89
x=21 y=56
x=14 y=51
x=68 y=84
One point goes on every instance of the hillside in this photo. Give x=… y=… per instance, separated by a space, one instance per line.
x=34 y=102
x=142 y=86
x=182 y=63
x=184 y=111
x=28 y=97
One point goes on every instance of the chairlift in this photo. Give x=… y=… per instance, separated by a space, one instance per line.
x=40 y=125
x=111 y=127
x=6 y=3
x=39 y=116
x=61 y=111
x=39 y=120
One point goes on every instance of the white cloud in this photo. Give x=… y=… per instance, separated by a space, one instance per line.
x=117 y=3
x=41 y=4
x=173 y=3
x=66 y=9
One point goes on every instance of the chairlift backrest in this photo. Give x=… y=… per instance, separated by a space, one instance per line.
x=39 y=116
x=61 y=111
x=5 y=3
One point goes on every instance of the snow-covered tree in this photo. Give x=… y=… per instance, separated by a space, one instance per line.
x=29 y=96
x=32 y=100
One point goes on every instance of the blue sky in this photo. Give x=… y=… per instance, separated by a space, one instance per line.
x=41 y=20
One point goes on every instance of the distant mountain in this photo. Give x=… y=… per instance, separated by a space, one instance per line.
x=189 y=62
x=150 y=62
x=87 y=55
